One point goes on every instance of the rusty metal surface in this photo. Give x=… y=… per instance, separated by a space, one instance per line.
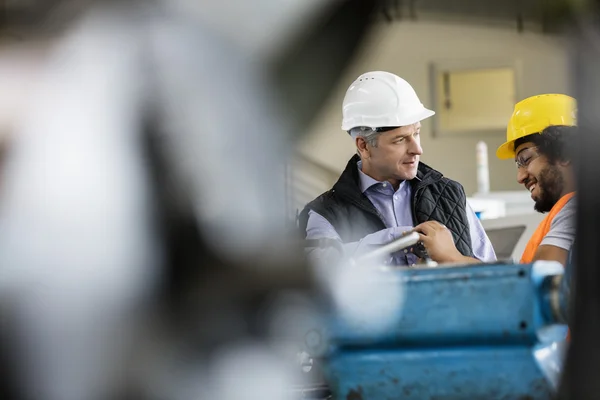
x=439 y=373
x=470 y=332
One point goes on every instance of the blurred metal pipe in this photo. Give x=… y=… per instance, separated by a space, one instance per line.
x=384 y=251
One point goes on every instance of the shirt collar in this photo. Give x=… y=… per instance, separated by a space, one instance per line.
x=365 y=180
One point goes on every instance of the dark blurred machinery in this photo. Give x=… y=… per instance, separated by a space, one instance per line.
x=144 y=253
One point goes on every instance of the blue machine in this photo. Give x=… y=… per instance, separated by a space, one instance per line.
x=493 y=331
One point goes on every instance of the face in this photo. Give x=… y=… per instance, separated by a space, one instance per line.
x=396 y=156
x=544 y=180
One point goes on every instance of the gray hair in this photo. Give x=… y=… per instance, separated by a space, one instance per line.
x=369 y=134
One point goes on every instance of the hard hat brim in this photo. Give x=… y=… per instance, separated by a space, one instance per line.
x=506 y=150
x=378 y=122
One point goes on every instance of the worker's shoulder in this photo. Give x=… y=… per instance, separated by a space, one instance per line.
x=455 y=184
x=567 y=213
x=450 y=181
x=571 y=204
x=430 y=175
x=319 y=205
x=443 y=183
x=321 y=200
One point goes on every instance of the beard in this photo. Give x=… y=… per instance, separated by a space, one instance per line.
x=551 y=184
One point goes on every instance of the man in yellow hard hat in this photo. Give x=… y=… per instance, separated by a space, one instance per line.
x=539 y=135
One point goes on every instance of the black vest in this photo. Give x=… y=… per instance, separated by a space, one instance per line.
x=353 y=216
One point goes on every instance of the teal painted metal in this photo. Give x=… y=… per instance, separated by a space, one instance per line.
x=467 y=332
x=508 y=372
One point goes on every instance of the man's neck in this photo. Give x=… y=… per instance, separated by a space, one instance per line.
x=569 y=183
x=567 y=191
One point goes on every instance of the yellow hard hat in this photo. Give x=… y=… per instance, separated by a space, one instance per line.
x=533 y=115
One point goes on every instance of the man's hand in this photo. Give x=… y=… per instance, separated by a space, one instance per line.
x=439 y=242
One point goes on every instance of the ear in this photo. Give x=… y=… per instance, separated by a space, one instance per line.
x=566 y=163
x=362 y=147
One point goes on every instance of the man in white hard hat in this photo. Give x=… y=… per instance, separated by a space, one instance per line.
x=385 y=191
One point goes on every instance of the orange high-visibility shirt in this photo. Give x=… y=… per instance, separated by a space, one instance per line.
x=543 y=229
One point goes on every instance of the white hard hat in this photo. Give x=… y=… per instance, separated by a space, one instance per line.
x=381 y=99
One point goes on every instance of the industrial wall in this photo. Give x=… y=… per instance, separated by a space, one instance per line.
x=408 y=49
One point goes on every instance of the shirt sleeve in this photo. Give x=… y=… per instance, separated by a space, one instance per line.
x=318 y=228
x=562 y=228
x=483 y=250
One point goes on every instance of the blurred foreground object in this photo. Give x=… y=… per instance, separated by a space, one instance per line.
x=142 y=245
x=581 y=373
